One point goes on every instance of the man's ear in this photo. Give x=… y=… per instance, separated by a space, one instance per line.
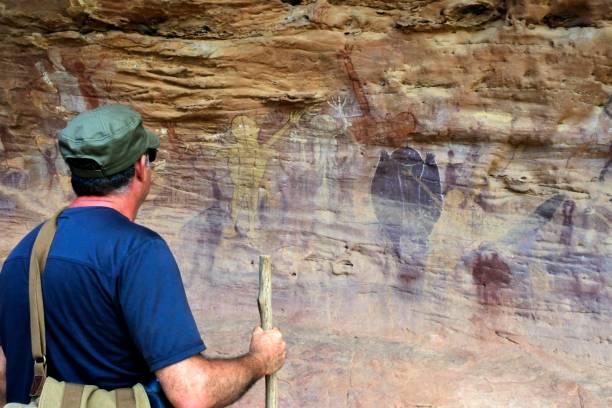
x=140 y=166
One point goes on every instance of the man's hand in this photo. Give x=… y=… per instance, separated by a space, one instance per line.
x=268 y=348
x=204 y=382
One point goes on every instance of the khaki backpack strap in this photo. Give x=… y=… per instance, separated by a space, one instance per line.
x=125 y=398
x=72 y=395
x=38 y=260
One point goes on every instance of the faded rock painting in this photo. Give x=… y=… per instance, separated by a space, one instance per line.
x=43 y=169
x=583 y=273
x=500 y=269
x=334 y=158
x=368 y=127
x=13 y=173
x=348 y=159
x=606 y=168
x=315 y=178
x=247 y=160
x=569 y=207
x=406 y=190
x=203 y=233
x=55 y=171
x=296 y=183
x=83 y=77
x=407 y=198
x=82 y=84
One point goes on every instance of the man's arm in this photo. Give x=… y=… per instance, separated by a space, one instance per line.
x=2 y=379
x=202 y=382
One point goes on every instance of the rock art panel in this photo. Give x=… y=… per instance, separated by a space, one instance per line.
x=482 y=273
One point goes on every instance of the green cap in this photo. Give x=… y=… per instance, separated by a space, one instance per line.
x=111 y=135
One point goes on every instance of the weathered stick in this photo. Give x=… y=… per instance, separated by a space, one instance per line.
x=265 y=312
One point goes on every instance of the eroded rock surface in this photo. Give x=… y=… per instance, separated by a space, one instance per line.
x=431 y=178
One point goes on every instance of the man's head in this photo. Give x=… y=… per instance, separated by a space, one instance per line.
x=104 y=148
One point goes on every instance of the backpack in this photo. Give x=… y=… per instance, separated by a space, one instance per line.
x=47 y=392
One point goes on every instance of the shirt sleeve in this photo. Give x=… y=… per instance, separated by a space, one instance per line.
x=155 y=308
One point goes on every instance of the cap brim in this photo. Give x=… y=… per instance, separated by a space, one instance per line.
x=152 y=140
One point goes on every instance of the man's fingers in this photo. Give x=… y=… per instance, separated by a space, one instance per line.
x=273 y=332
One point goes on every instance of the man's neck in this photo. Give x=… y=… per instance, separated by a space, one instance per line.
x=119 y=203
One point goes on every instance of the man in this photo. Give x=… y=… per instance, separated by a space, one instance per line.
x=115 y=307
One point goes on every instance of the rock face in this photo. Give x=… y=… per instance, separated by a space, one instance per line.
x=431 y=178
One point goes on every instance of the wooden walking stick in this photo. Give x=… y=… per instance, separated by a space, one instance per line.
x=265 y=312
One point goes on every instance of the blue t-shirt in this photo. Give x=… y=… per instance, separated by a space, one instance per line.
x=115 y=305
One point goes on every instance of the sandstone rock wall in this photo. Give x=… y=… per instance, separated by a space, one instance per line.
x=431 y=178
